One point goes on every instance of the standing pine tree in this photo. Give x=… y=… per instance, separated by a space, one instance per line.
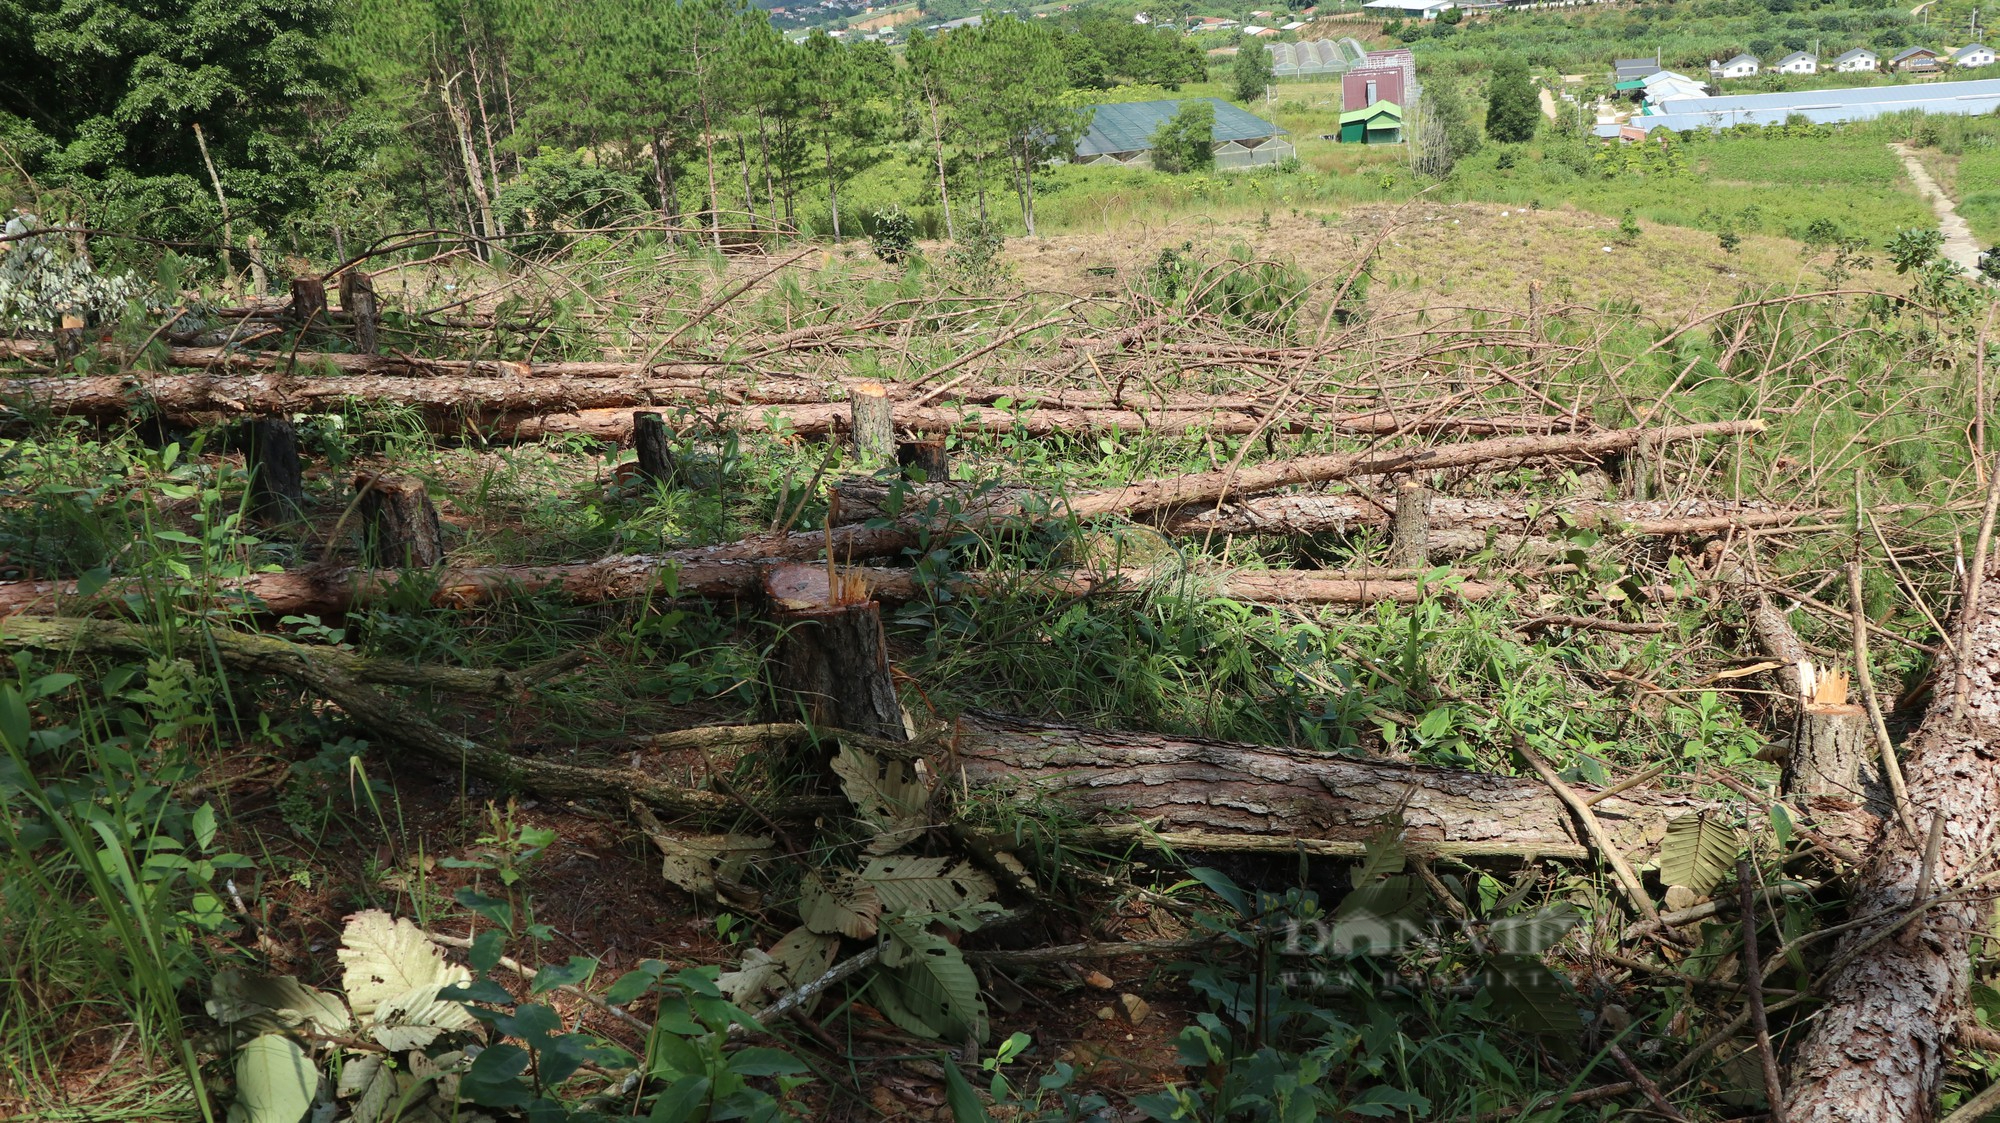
x=1513 y=109
x=1252 y=71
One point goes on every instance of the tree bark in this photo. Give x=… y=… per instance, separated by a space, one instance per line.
x=872 y=418
x=277 y=485
x=649 y=439
x=1298 y=515
x=1898 y=990
x=1199 y=792
x=831 y=664
x=1143 y=496
x=924 y=460
x=308 y=302
x=357 y=299
x=402 y=523
x=1830 y=750
x=1410 y=532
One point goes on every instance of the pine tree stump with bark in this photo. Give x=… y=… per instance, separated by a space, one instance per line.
x=308 y=302
x=1830 y=753
x=649 y=440
x=924 y=461
x=1410 y=532
x=277 y=472
x=873 y=417
x=831 y=665
x=402 y=523
x=357 y=299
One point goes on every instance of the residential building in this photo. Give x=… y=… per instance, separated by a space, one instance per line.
x=1826 y=107
x=1363 y=87
x=1978 y=54
x=1742 y=66
x=1633 y=69
x=1668 y=86
x=1858 y=61
x=1122 y=134
x=1380 y=123
x=1260 y=32
x=1917 y=60
x=1798 y=62
x=1412 y=9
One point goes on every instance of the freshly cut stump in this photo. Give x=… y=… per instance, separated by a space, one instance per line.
x=924 y=460
x=873 y=417
x=402 y=522
x=832 y=665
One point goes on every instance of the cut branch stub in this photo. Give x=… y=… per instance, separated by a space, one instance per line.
x=873 y=417
x=402 y=523
x=831 y=665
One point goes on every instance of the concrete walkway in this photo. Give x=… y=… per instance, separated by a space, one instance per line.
x=1959 y=245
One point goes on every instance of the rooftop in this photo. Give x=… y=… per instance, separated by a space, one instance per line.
x=1379 y=109
x=1827 y=106
x=1129 y=126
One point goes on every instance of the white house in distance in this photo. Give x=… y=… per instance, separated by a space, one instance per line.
x=1668 y=86
x=1978 y=54
x=1742 y=66
x=1798 y=62
x=1412 y=9
x=1857 y=61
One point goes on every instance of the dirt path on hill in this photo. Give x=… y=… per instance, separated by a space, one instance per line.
x=1548 y=103
x=1959 y=245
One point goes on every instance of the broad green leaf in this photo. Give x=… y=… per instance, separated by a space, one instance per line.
x=765 y=1062
x=1534 y=933
x=919 y=886
x=800 y=957
x=959 y=1095
x=273 y=1002
x=1698 y=851
x=1384 y=857
x=934 y=983
x=370 y=1082
x=414 y=1019
x=849 y=907
x=388 y=958
x=274 y=1080
x=697 y=864
x=890 y=795
x=1382 y=1101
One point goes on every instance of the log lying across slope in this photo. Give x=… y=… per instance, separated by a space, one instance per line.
x=1879 y=1047
x=1224 y=795
x=515 y=402
x=1199 y=793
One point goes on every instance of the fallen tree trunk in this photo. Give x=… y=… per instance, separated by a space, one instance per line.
x=869 y=497
x=517 y=401
x=1141 y=789
x=1899 y=984
x=615 y=425
x=1144 y=496
x=234 y=362
x=1201 y=794
x=714 y=575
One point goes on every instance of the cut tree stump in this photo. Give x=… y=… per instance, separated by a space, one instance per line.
x=357 y=299
x=831 y=666
x=924 y=461
x=1898 y=986
x=1830 y=752
x=402 y=522
x=308 y=302
x=69 y=338
x=873 y=418
x=649 y=439
x=1410 y=532
x=277 y=480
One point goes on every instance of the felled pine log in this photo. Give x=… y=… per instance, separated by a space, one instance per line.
x=1130 y=788
x=715 y=575
x=1200 y=794
x=1899 y=985
x=865 y=497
